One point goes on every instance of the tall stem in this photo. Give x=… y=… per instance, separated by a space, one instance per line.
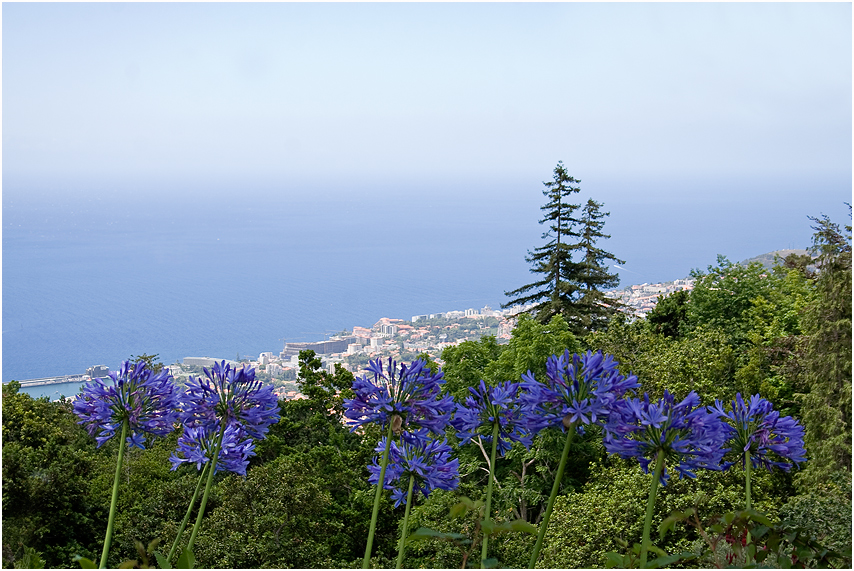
x=108 y=539
x=213 y=461
x=189 y=511
x=747 y=467
x=487 y=513
x=748 y=504
x=366 y=561
x=541 y=534
x=401 y=547
x=659 y=466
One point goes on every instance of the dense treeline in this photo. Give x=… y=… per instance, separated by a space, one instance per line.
x=305 y=502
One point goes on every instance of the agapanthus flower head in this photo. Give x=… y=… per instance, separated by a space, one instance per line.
x=232 y=395
x=196 y=446
x=147 y=401
x=411 y=394
x=487 y=405
x=578 y=389
x=755 y=427
x=418 y=454
x=690 y=436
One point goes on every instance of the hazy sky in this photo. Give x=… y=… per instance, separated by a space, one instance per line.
x=372 y=95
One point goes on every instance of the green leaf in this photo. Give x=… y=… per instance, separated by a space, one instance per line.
x=488 y=526
x=490 y=563
x=129 y=564
x=615 y=560
x=669 y=559
x=425 y=533
x=186 y=561
x=516 y=525
x=161 y=560
x=669 y=523
x=84 y=562
x=459 y=509
x=760 y=518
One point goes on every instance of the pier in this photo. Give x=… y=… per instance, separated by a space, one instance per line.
x=55 y=380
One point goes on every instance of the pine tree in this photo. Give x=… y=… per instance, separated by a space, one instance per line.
x=826 y=408
x=595 y=309
x=568 y=288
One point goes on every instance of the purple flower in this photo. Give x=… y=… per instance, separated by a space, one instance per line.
x=410 y=393
x=196 y=446
x=148 y=402
x=484 y=407
x=428 y=459
x=690 y=436
x=757 y=428
x=580 y=389
x=230 y=395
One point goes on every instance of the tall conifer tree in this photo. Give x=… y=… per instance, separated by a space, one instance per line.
x=568 y=288
x=826 y=407
x=594 y=308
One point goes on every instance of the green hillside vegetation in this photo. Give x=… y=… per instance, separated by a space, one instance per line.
x=306 y=501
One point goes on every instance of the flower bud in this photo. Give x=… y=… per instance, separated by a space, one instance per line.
x=566 y=422
x=396 y=424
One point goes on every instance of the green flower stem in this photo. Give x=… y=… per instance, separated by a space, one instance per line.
x=402 y=545
x=189 y=510
x=108 y=539
x=659 y=466
x=487 y=509
x=748 y=504
x=366 y=561
x=544 y=524
x=747 y=478
x=212 y=462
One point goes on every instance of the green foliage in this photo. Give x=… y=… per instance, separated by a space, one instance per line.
x=669 y=317
x=703 y=361
x=532 y=344
x=824 y=512
x=465 y=364
x=826 y=400
x=271 y=518
x=610 y=508
x=47 y=458
x=151 y=361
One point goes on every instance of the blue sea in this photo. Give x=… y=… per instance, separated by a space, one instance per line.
x=93 y=276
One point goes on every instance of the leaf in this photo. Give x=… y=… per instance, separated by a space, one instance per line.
x=487 y=526
x=425 y=533
x=669 y=523
x=459 y=509
x=515 y=525
x=616 y=560
x=668 y=559
x=161 y=560
x=129 y=564
x=84 y=562
x=490 y=563
x=761 y=518
x=186 y=561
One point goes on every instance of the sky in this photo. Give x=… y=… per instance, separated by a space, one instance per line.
x=709 y=107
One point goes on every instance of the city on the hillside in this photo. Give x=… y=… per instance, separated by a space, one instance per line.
x=404 y=340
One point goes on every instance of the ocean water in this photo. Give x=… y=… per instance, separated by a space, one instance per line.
x=95 y=277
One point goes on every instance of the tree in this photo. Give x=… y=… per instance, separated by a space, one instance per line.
x=152 y=362
x=569 y=288
x=827 y=405
x=554 y=294
x=594 y=307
